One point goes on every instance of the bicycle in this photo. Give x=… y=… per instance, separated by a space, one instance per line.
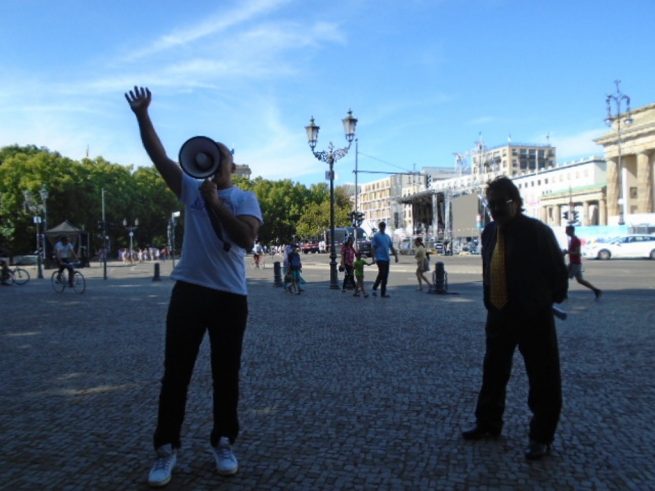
x=18 y=276
x=60 y=281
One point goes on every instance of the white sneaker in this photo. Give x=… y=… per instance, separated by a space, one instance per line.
x=226 y=462
x=160 y=474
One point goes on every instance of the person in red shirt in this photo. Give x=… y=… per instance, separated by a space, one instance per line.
x=575 y=261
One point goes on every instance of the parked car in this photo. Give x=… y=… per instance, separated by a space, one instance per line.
x=625 y=246
x=24 y=260
x=309 y=246
x=340 y=235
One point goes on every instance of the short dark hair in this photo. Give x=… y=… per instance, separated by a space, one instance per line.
x=505 y=186
x=570 y=228
x=382 y=225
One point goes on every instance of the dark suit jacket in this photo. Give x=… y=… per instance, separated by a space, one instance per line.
x=536 y=273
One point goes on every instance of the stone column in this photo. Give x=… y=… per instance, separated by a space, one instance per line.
x=602 y=212
x=543 y=214
x=644 y=184
x=613 y=187
x=585 y=213
x=558 y=214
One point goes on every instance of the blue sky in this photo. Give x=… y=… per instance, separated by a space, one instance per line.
x=424 y=78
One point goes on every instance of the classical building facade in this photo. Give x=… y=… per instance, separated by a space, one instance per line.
x=572 y=191
x=631 y=179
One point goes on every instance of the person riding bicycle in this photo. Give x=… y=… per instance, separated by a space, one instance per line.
x=63 y=253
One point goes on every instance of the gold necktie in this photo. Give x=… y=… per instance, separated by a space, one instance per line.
x=497 y=277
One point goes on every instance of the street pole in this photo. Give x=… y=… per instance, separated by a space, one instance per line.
x=334 y=277
x=104 y=237
x=356 y=224
x=330 y=157
x=44 y=200
x=171 y=235
x=39 y=264
x=130 y=230
x=623 y=172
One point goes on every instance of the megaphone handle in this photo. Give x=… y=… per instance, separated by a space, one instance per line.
x=218 y=227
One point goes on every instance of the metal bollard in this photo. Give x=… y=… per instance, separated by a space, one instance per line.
x=440 y=278
x=156 y=277
x=277 y=274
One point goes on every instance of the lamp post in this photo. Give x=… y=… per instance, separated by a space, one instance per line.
x=37 y=209
x=130 y=230
x=171 y=234
x=618 y=98
x=39 y=266
x=330 y=157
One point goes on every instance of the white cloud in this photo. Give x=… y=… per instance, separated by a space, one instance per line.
x=219 y=22
x=578 y=145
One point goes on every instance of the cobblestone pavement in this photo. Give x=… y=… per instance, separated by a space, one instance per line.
x=337 y=392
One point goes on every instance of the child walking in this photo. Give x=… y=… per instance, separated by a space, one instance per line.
x=295 y=267
x=359 y=274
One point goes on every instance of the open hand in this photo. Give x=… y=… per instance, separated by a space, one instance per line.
x=139 y=98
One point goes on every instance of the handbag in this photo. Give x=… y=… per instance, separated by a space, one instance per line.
x=426 y=265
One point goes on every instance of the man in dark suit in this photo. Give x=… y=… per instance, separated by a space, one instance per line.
x=523 y=275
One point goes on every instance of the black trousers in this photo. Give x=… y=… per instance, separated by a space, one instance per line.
x=66 y=264
x=349 y=277
x=192 y=311
x=537 y=341
x=382 y=277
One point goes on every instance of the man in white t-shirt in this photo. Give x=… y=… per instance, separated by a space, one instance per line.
x=210 y=294
x=64 y=253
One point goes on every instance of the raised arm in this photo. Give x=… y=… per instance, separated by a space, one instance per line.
x=242 y=229
x=139 y=99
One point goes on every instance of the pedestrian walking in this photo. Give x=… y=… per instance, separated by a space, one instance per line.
x=422 y=264
x=257 y=252
x=210 y=294
x=381 y=245
x=523 y=275
x=346 y=265
x=295 y=267
x=575 y=261
x=358 y=267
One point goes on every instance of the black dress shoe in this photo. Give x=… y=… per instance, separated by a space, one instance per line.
x=480 y=432
x=537 y=450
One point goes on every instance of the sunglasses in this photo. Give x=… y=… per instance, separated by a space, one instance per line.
x=501 y=204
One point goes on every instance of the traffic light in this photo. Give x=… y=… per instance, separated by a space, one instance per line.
x=576 y=215
x=356 y=218
x=428 y=180
x=566 y=215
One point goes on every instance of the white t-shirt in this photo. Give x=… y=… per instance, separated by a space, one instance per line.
x=63 y=251
x=204 y=261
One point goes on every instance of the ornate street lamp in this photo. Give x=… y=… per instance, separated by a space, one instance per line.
x=331 y=156
x=171 y=234
x=131 y=229
x=618 y=98
x=31 y=204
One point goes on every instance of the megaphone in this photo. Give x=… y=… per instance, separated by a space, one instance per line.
x=200 y=157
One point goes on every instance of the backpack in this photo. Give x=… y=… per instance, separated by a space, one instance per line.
x=294 y=261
